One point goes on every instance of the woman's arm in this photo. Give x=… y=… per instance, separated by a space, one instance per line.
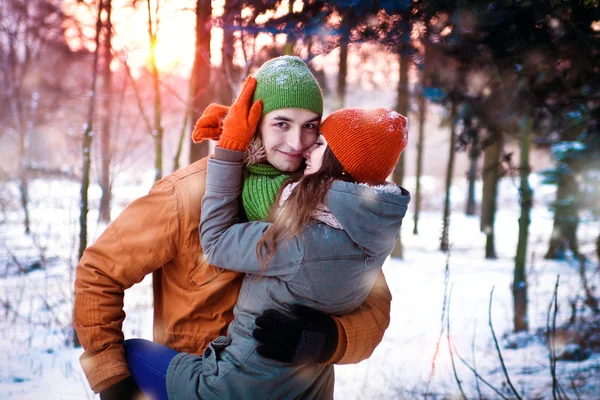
x=228 y=244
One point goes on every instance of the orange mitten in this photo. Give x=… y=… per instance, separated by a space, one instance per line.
x=240 y=124
x=210 y=124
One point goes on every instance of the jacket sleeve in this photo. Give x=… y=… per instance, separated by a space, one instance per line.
x=219 y=231
x=361 y=331
x=142 y=239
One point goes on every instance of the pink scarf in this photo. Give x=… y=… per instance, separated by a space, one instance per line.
x=321 y=214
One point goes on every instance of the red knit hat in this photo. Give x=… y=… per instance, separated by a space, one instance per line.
x=368 y=143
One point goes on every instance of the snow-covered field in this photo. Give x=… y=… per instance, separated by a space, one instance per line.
x=36 y=361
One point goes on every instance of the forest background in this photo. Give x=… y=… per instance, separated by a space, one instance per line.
x=103 y=95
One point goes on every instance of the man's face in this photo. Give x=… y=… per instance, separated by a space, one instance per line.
x=287 y=133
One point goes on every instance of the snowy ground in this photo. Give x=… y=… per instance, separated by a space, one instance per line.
x=36 y=361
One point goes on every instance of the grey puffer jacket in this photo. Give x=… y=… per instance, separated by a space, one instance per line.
x=327 y=269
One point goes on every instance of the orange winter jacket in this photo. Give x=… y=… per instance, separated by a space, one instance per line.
x=193 y=301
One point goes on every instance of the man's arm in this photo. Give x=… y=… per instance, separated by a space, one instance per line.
x=361 y=331
x=142 y=239
x=313 y=336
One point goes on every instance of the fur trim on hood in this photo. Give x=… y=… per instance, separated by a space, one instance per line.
x=256 y=153
x=389 y=187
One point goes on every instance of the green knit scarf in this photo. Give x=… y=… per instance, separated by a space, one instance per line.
x=261 y=185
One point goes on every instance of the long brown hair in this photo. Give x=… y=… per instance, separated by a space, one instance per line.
x=291 y=218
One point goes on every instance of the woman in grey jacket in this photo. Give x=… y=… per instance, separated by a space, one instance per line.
x=331 y=233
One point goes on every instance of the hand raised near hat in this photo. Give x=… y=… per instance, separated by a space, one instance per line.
x=310 y=337
x=240 y=124
x=210 y=124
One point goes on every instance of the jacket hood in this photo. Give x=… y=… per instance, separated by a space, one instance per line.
x=371 y=215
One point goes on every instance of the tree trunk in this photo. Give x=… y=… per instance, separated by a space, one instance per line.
x=343 y=69
x=598 y=249
x=474 y=154
x=566 y=219
x=199 y=81
x=182 y=132
x=24 y=196
x=402 y=108
x=225 y=91
x=23 y=177
x=105 y=184
x=489 y=201
x=24 y=173
x=519 y=286
x=14 y=83
x=288 y=49
x=86 y=150
x=157 y=132
x=417 y=199
x=309 y=43
x=445 y=240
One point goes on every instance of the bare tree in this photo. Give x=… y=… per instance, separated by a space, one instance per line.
x=290 y=39
x=519 y=286
x=199 y=81
x=157 y=132
x=566 y=219
x=228 y=77
x=422 y=104
x=343 y=64
x=474 y=153
x=106 y=114
x=491 y=176
x=87 y=145
x=402 y=107
x=598 y=249
x=445 y=240
x=180 y=141
x=28 y=29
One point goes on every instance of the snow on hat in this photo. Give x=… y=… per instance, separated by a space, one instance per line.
x=368 y=143
x=286 y=82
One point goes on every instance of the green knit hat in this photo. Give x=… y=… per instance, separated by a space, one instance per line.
x=286 y=82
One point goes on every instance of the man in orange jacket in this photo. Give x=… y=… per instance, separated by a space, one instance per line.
x=193 y=301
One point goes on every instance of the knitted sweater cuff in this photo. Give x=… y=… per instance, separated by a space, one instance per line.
x=228 y=155
x=342 y=344
x=232 y=144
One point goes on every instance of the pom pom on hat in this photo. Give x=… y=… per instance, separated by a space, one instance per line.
x=368 y=143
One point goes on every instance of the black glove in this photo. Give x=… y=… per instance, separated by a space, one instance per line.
x=310 y=338
x=122 y=390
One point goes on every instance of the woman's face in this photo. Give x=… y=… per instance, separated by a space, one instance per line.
x=314 y=155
